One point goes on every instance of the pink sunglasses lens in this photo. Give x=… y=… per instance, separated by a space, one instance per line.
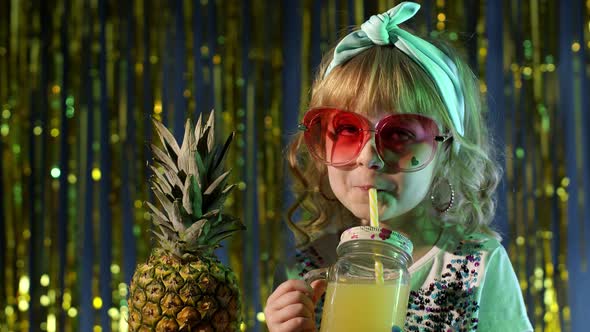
x=334 y=137
x=406 y=141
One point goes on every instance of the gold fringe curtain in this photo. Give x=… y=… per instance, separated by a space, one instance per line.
x=81 y=79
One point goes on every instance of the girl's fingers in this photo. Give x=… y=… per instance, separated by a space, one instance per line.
x=290 y=286
x=292 y=298
x=298 y=324
x=319 y=288
x=292 y=311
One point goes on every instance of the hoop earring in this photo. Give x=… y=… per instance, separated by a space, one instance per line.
x=442 y=208
x=326 y=197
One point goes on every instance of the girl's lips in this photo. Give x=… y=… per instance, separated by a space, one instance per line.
x=366 y=187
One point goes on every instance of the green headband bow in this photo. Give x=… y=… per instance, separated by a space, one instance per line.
x=383 y=29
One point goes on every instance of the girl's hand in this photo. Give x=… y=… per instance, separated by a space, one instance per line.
x=291 y=307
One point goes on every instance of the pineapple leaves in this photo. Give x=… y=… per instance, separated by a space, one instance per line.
x=202 y=147
x=186 y=197
x=186 y=162
x=190 y=184
x=156 y=212
x=198 y=127
x=161 y=180
x=228 y=226
x=222 y=153
x=176 y=217
x=168 y=207
x=164 y=158
x=216 y=183
x=193 y=232
x=211 y=136
x=196 y=198
x=168 y=140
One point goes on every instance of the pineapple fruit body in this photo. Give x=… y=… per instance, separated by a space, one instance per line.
x=169 y=294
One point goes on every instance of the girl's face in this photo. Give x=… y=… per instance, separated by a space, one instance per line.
x=398 y=192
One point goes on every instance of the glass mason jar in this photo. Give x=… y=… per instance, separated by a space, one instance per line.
x=369 y=285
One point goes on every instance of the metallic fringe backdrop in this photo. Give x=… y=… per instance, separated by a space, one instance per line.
x=81 y=79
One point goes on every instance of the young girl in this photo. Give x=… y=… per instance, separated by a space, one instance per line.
x=394 y=112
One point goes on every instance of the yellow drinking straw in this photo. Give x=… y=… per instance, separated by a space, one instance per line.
x=374 y=211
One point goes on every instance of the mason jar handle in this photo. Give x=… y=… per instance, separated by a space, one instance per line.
x=316 y=274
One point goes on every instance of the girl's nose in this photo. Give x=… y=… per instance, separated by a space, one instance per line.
x=369 y=157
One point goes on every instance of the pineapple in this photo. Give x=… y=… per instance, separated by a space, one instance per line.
x=183 y=286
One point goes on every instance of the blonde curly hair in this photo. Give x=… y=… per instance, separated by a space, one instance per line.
x=384 y=78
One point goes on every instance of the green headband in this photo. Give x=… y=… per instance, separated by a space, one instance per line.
x=383 y=29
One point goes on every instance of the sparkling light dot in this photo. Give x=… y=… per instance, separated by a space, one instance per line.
x=565 y=182
x=4 y=130
x=97 y=328
x=54 y=132
x=55 y=172
x=70 y=111
x=260 y=317
x=6 y=114
x=24 y=283
x=123 y=289
x=549 y=190
x=138 y=204
x=440 y=25
x=72 y=312
x=519 y=153
x=242 y=326
x=550 y=67
x=483 y=88
x=51 y=323
x=72 y=179
x=441 y=16
x=158 y=107
x=66 y=305
x=115 y=269
x=204 y=50
x=575 y=46
x=97 y=303
x=527 y=71
x=44 y=300
x=23 y=305
x=9 y=311
x=96 y=174
x=37 y=130
x=56 y=89
x=216 y=59
x=44 y=280
x=114 y=313
x=520 y=240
